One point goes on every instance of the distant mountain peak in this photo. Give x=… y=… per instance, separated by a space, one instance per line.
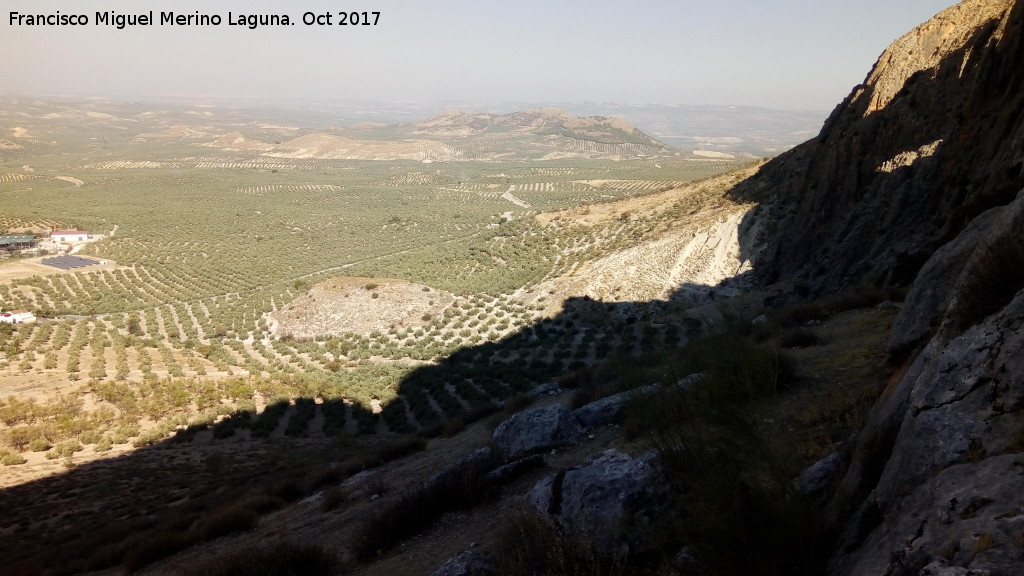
x=535 y=121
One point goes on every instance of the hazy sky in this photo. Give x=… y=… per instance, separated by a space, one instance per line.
x=791 y=54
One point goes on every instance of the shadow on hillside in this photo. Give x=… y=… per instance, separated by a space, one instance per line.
x=204 y=482
x=207 y=481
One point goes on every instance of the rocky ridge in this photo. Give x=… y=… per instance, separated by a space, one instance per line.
x=539 y=134
x=916 y=178
x=931 y=139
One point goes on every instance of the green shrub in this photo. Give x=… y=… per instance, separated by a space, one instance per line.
x=150 y=437
x=39 y=444
x=19 y=438
x=104 y=444
x=12 y=459
x=90 y=437
x=67 y=448
x=124 y=432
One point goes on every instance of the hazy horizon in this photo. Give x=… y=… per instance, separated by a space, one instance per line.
x=792 y=55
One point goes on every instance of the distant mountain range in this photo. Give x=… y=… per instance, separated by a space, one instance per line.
x=739 y=130
x=436 y=131
x=540 y=134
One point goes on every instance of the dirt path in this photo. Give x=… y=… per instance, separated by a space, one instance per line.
x=508 y=196
x=176 y=320
x=161 y=330
x=200 y=333
x=78 y=183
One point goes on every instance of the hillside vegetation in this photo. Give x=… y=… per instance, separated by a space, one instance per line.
x=219 y=290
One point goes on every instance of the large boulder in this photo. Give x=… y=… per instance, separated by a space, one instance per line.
x=536 y=429
x=819 y=475
x=473 y=465
x=549 y=389
x=468 y=563
x=609 y=409
x=611 y=500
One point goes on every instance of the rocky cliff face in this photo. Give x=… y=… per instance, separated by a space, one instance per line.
x=933 y=138
x=936 y=482
x=916 y=177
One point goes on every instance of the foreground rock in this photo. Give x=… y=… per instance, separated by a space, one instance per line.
x=472 y=465
x=468 y=563
x=611 y=501
x=819 y=475
x=609 y=409
x=536 y=429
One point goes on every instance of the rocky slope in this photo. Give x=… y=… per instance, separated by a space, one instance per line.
x=937 y=477
x=933 y=138
x=913 y=179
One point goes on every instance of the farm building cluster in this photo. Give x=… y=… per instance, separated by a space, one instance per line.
x=15 y=242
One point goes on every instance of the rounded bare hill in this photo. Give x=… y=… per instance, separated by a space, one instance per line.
x=538 y=122
x=359 y=305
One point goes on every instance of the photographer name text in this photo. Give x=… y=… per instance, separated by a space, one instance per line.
x=120 y=21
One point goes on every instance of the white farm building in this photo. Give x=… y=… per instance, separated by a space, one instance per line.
x=17 y=317
x=69 y=236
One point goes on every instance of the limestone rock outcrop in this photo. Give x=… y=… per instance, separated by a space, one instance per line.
x=536 y=429
x=468 y=563
x=949 y=487
x=931 y=139
x=608 y=409
x=935 y=484
x=937 y=290
x=916 y=178
x=609 y=500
